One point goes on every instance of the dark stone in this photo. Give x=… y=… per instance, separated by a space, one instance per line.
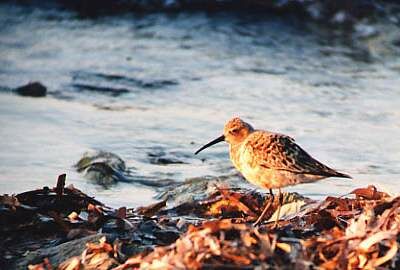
x=34 y=89
x=56 y=254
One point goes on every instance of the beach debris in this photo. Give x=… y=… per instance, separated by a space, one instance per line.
x=219 y=243
x=46 y=217
x=358 y=231
x=95 y=256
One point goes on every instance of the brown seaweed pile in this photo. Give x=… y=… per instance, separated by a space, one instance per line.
x=356 y=231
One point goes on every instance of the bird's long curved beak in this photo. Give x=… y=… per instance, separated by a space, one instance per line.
x=217 y=140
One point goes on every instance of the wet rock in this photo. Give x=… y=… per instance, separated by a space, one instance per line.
x=33 y=89
x=105 y=168
x=193 y=189
x=161 y=158
x=56 y=254
x=199 y=188
x=165 y=161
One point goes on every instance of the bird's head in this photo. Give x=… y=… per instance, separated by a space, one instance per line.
x=235 y=131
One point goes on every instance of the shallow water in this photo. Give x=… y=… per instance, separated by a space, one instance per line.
x=138 y=85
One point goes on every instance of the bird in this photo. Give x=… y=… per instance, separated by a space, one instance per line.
x=270 y=160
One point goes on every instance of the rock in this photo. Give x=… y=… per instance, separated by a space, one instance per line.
x=102 y=167
x=56 y=254
x=33 y=89
x=197 y=188
x=106 y=169
x=161 y=158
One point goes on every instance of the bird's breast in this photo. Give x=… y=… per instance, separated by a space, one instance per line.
x=244 y=161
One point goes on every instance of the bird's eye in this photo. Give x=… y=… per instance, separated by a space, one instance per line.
x=233 y=131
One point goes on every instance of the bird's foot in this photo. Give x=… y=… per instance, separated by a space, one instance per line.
x=258 y=222
x=266 y=208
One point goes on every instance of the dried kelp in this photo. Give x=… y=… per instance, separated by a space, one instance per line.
x=368 y=240
x=357 y=231
x=337 y=233
x=47 y=217
x=219 y=243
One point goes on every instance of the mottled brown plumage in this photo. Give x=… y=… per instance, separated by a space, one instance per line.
x=273 y=160
x=270 y=160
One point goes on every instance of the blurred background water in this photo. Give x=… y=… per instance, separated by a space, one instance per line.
x=161 y=83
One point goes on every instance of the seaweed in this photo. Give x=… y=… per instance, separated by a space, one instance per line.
x=357 y=231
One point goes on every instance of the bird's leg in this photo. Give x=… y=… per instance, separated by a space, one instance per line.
x=278 y=211
x=267 y=206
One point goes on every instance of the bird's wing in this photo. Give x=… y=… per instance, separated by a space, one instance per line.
x=280 y=152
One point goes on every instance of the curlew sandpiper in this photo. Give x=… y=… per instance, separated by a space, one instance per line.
x=270 y=160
